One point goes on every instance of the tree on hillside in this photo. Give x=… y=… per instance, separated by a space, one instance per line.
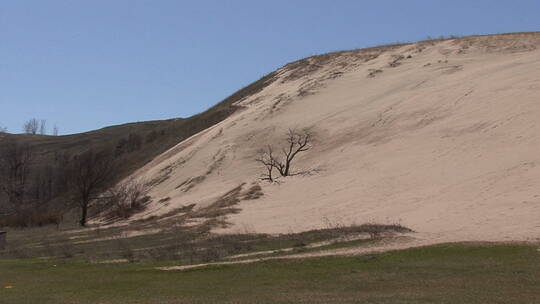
x=43 y=127
x=267 y=159
x=34 y=126
x=31 y=126
x=88 y=175
x=297 y=142
x=15 y=159
x=126 y=198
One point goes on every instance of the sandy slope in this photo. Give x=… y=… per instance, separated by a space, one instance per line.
x=446 y=142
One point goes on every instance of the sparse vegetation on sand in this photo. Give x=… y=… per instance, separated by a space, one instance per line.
x=143 y=242
x=454 y=273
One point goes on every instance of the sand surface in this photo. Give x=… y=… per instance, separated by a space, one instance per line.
x=441 y=137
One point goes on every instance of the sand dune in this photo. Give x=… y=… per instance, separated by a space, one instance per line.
x=442 y=137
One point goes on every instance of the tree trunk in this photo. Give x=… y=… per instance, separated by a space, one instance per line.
x=84 y=214
x=287 y=166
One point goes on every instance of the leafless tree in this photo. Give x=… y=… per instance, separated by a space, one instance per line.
x=267 y=159
x=15 y=159
x=88 y=175
x=3 y=129
x=55 y=130
x=297 y=141
x=43 y=127
x=31 y=126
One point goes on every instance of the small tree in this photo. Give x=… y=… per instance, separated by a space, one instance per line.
x=3 y=129
x=31 y=126
x=88 y=175
x=127 y=198
x=55 y=130
x=297 y=141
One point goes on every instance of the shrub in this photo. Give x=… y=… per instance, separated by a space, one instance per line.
x=126 y=199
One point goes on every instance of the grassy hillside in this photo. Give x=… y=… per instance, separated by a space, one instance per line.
x=133 y=144
x=168 y=132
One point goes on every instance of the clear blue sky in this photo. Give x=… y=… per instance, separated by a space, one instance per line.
x=88 y=64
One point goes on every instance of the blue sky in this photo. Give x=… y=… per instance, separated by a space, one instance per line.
x=88 y=64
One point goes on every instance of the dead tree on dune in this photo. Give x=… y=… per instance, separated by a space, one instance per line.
x=266 y=158
x=297 y=142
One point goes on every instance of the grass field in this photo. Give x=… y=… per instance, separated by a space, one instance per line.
x=455 y=273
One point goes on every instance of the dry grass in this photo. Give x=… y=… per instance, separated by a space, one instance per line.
x=193 y=244
x=253 y=193
x=222 y=206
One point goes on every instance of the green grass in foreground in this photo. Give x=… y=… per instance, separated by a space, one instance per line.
x=438 y=274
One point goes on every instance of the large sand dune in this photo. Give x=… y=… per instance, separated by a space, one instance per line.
x=442 y=137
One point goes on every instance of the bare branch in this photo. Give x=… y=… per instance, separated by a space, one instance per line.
x=126 y=198
x=31 y=126
x=296 y=142
x=88 y=174
x=266 y=157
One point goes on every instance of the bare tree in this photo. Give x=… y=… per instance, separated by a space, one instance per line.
x=43 y=127
x=55 y=130
x=89 y=174
x=15 y=161
x=31 y=126
x=3 y=129
x=267 y=159
x=297 y=141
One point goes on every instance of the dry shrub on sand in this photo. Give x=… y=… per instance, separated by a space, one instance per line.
x=127 y=199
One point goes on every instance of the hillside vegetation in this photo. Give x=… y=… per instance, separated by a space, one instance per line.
x=405 y=173
x=132 y=145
